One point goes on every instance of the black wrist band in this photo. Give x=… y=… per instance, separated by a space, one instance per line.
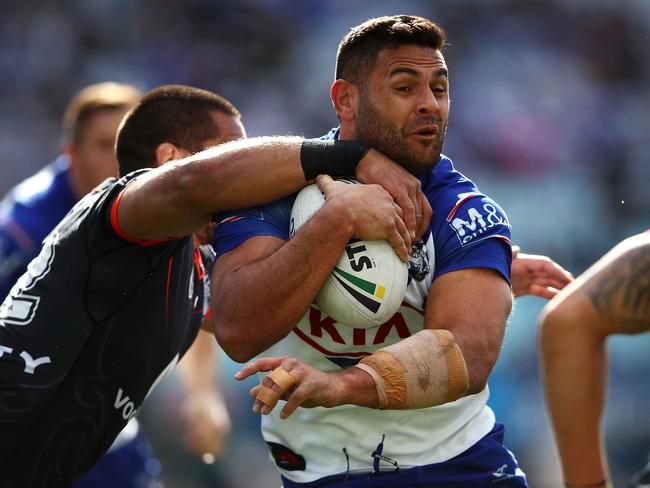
x=335 y=158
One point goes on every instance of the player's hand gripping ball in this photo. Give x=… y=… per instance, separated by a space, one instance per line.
x=367 y=285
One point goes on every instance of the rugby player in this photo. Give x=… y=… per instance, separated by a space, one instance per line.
x=406 y=401
x=119 y=290
x=611 y=297
x=31 y=210
x=35 y=206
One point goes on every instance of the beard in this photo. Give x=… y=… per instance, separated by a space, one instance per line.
x=382 y=134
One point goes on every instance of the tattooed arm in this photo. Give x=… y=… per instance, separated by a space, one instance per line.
x=613 y=296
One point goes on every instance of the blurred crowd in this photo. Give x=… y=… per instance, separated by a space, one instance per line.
x=550 y=115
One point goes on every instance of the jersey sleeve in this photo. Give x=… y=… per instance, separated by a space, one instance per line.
x=110 y=210
x=236 y=227
x=475 y=233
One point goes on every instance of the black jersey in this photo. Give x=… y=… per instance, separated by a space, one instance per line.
x=93 y=325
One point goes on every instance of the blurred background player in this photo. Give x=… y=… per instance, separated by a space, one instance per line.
x=34 y=207
x=31 y=210
x=611 y=297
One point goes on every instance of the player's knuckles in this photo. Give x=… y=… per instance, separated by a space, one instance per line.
x=390 y=228
x=406 y=202
x=289 y=363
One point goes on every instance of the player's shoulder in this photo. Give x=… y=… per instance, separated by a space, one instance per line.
x=459 y=206
x=443 y=182
x=109 y=189
x=47 y=183
x=447 y=188
x=38 y=203
x=96 y=206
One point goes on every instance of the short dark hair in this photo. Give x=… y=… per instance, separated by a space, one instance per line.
x=92 y=100
x=177 y=114
x=358 y=50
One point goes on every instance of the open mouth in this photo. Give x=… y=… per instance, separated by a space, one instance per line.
x=426 y=132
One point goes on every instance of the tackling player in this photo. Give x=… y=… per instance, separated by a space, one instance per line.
x=119 y=290
x=423 y=374
x=611 y=297
x=34 y=207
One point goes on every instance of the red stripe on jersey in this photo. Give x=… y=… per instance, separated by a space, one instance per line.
x=118 y=230
x=504 y=239
x=198 y=263
x=169 y=277
x=230 y=219
x=466 y=197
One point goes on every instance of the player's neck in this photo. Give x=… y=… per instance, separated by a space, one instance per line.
x=347 y=133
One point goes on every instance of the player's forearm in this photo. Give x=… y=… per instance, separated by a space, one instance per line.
x=243 y=174
x=198 y=368
x=260 y=303
x=180 y=197
x=573 y=362
x=474 y=305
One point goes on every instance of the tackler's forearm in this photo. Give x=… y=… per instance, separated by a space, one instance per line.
x=421 y=371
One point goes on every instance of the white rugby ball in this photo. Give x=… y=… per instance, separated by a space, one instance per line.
x=368 y=283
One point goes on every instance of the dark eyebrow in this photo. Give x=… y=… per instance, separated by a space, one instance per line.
x=403 y=71
x=414 y=73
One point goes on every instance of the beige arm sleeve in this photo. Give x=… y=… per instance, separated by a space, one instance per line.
x=421 y=371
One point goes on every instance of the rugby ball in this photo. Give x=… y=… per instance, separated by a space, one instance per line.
x=368 y=283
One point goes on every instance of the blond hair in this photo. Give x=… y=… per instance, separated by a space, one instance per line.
x=93 y=99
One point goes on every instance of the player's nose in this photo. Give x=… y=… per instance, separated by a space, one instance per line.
x=427 y=103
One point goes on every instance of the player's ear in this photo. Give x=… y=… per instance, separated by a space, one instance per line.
x=345 y=98
x=168 y=152
x=68 y=148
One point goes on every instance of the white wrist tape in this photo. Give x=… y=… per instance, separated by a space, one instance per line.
x=421 y=371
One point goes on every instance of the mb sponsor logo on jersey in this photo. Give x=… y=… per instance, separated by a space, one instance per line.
x=476 y=222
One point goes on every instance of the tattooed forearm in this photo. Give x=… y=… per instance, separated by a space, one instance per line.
x=621 y=292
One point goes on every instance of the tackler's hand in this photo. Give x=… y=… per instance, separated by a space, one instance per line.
x=207 y=426
x=294 y=381
x=403 y=187
x=537 y=275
